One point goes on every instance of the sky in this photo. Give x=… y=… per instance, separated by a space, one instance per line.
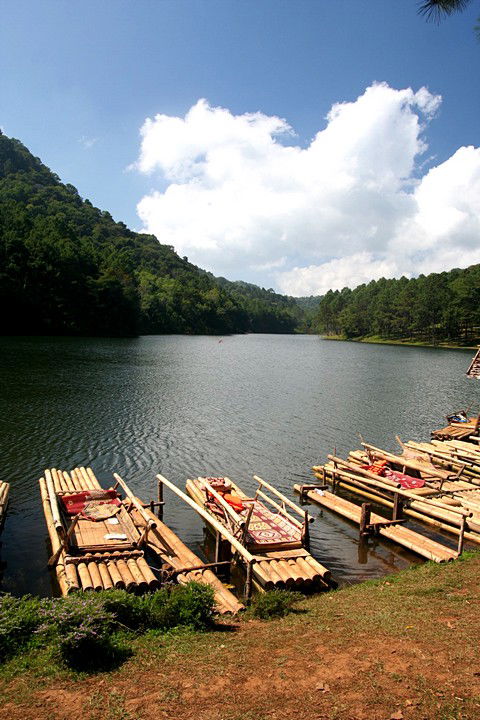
x=301 y=145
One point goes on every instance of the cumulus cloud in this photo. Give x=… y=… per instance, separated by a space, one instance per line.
x=239 y=195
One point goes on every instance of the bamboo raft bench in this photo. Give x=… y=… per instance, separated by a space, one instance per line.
x=4 y=493
x=271 y=542
x=90 y=552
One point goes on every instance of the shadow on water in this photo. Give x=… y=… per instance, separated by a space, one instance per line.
x=273 y=405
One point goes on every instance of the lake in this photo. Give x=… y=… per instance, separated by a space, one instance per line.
x=271 y=405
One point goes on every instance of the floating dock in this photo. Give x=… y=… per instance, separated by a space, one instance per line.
x=269 y=538
x=99 y=540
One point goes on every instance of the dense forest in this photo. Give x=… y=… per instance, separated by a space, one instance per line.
x=68 y=268
x=433 y=308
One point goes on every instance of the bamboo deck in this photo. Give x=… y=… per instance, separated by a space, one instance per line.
x=285 y=566
x=90 y=561
x=4 y=492
x=396 y=533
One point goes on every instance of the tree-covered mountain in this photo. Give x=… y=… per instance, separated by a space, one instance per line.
x=67 y=267
x=434 y=308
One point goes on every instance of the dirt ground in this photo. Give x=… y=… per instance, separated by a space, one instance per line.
x=405 y=647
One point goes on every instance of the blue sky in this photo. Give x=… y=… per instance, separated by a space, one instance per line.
x=78 y=81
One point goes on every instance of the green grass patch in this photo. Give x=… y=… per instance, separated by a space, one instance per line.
x=274 y=604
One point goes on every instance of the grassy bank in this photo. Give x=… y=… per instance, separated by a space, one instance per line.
x=415 y=342
x=401 y=647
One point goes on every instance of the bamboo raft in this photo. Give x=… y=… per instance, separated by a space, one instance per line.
x=88 y=554
x=441 y=489
x=4 y=492
x=270 y=540
x=389 y=529
x=96 y=554
x=467 y=430
x=474 y=367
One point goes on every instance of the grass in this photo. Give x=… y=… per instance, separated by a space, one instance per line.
x=414 y=342
x=407 y=642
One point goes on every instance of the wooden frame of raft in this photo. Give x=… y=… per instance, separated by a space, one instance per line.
x=288 y=565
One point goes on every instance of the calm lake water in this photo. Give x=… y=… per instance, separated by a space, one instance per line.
x=272 y=405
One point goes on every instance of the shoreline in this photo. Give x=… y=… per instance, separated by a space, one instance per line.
x=375 y=340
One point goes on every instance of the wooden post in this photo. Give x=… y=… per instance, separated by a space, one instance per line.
x=397 y=507
x=306 y=533
x=247 y=523
x=248 y=581
x=217 y=546
x=365 y=519
x=461 y=535
x=160 y=498
x=64 y=544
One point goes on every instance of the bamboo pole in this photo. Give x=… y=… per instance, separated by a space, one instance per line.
x=107 y=581
x=64 y=544
x=95 y=575
x=437 y=524
x=237 y=519
x=366 y=473
x=68 y=482
x=86 y=479
x=210 y=519
x=283 y=497
x=281 y=509
x=63 y=581
x=53 y=502
x=115 y=575
x=72 y=578
x=84 y=576
x=148 y=520
x=94 y=480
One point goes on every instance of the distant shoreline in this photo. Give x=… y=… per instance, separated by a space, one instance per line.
x=375 y=340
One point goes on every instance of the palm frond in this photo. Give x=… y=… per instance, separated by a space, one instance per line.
x=437 y=9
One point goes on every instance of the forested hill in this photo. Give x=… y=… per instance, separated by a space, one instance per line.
x=433 y=308
x=68 y=268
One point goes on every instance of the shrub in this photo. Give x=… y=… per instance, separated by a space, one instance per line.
x=79 y=628
x=19 y=618
x=91 y=631
x=129 y=610
x=189 y=605
x=274 y=604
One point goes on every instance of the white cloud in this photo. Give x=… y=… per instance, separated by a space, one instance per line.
x=87 y=142
x=244 y=201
